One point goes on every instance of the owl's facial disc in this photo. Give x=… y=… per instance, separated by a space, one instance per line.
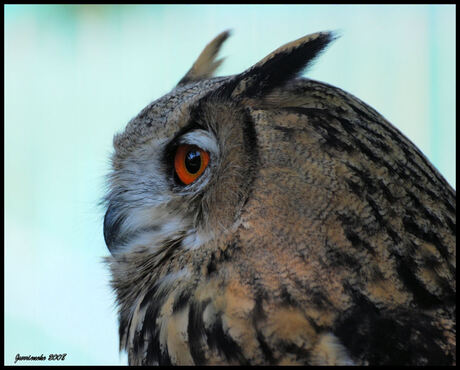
x=159 y=205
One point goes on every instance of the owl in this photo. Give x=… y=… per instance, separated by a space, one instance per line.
x=265 y=218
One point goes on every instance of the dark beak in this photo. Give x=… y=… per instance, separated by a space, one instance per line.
x=112 y=223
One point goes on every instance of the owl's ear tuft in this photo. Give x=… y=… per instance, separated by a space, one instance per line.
x=206 y=65
x=277 y=68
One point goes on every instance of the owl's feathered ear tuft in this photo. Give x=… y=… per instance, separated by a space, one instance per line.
x=277 y=68
x=206 y=64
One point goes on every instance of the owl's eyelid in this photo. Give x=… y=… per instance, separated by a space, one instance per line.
x=202 y=139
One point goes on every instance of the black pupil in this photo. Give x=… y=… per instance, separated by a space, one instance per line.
x=193 y=161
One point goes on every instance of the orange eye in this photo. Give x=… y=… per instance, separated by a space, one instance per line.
x=190 y=162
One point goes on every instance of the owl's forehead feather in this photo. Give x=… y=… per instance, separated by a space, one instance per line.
x=154 y=121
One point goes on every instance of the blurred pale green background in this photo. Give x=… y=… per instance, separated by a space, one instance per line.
x=74 y=75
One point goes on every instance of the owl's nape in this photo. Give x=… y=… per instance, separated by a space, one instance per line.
x=265 y=218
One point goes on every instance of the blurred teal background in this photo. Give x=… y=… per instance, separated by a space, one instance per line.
x=74 y=75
